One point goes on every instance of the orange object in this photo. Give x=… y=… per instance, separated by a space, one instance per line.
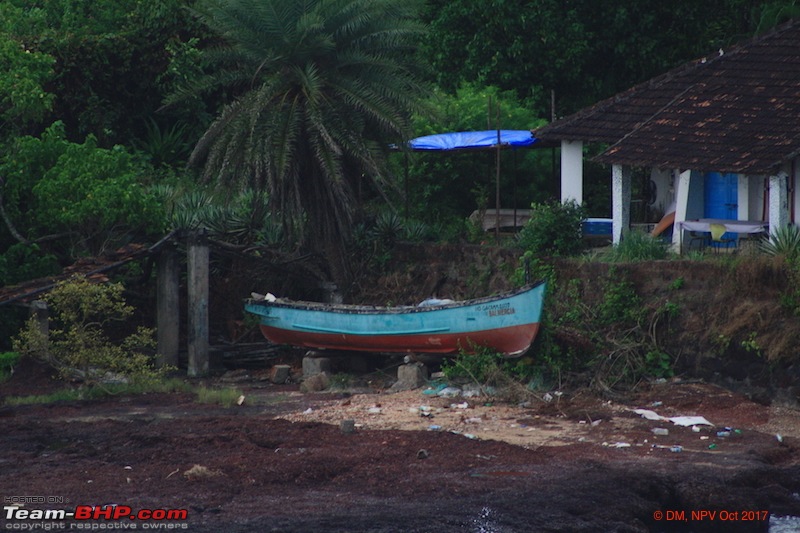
x=666 y=221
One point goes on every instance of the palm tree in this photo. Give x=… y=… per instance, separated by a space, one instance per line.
x=320 y=89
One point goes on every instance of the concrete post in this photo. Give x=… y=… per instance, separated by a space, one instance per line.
x=198 y=304
x=41 y=313
x=168 y=306
x=682 y=184
x=620 y=201
x=778 y=202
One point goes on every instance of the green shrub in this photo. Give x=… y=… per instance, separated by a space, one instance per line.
x=225 y=397
x=22 y=262
x=638 y=246
x=621 y=306
x=785 y=242
x=7 y=362
x=479 y=367
x=78 y=345
x=554 y=229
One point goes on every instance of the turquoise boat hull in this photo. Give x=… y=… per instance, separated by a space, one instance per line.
x=507 y=323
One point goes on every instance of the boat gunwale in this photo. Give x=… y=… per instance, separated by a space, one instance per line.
x=375 y=309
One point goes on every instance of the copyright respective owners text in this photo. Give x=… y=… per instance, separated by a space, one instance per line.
x=57 y=513
x=720 y=516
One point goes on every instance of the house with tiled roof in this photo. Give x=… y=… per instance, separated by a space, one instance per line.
x=720 y=135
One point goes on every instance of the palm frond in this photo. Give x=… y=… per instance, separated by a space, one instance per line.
x=322 y=88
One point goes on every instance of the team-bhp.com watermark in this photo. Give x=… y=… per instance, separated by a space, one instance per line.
x=18 y=517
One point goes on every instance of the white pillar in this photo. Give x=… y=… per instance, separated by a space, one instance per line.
x=682 y=182
x=620 y=201
x=743 y=197
x=778 y=202
x=572 y=171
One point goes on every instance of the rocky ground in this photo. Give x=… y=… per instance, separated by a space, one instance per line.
x=415 y=461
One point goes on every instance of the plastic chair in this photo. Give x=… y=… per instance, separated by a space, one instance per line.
x=717 y=240
x=701 y=236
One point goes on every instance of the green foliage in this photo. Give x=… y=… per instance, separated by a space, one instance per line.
x=96 y=392
x=242 y=218
x=373 y=240
x=621 y=306
x=23 y=75
x=554 y=229
x=165 y=145
x=614 y=340
x=677 y=284
x=480 y=365
x=226 y=397
x=638 y=246
x=7 y=362
x=776 y=12
x=457 y=183
x=96 y=195
x=784 y=242
x=78 y=343
x=110 y=58
x=582 y=51
x=22 y=262
x=750 y=344
x=316 y=92
x=658 y=364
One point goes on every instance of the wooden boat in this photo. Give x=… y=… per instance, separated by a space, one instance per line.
x=507 y=323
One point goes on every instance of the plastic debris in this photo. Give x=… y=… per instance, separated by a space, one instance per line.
x=648 y=414
x=308 y=411
x=677 y=420
x=660 y=431
x=425 y=410
x=374 y=410
x=689 y=421
x=449 y=392
x=676 y=449
x=463 y=405
x=617 y=445
x=434 y=390
x=712 y=446
x=723 y=434
x=434 y=427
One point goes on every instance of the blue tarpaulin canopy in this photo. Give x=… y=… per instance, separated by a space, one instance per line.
x=473 y=140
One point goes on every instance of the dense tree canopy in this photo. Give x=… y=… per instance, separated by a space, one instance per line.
x=306 y=95
x=581 y=50
x=319 y=90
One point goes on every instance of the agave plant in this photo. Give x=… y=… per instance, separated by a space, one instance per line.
x=784 y=242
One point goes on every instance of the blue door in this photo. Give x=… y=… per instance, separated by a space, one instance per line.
x=721 y=197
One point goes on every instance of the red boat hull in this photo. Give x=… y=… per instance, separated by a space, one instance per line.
x=511 y=340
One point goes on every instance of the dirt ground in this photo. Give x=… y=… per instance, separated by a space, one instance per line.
x=415 y=462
